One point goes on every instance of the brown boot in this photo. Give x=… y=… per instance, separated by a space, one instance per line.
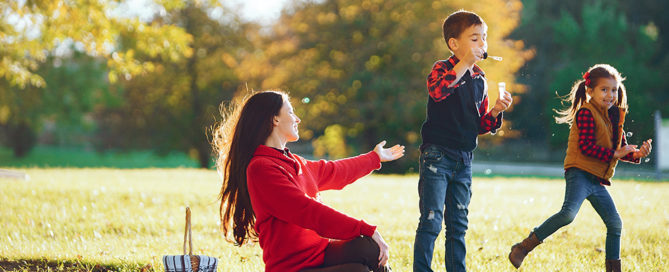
x=520 y=250
x=612 y=265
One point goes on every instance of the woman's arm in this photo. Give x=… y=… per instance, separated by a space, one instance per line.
x=273 y=192
x=337 y=174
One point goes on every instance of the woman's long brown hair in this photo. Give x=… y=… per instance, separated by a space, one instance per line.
x=247 y=123
x=577 y=96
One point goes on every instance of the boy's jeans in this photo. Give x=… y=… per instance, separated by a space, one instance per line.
x=443 y=183
x=582 y=185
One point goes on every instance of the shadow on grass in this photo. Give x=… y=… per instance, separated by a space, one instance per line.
x=68 y=265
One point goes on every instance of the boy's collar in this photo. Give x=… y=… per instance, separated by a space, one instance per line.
x=477 y=70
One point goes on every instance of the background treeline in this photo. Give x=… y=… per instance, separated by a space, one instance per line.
x=355 y=69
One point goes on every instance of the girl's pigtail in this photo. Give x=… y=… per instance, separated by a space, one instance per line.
x=576 y=98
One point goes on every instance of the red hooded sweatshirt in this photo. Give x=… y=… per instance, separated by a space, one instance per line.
x=293 y=225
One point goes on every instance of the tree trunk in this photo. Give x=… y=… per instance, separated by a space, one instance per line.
x=22 y=139
x=203 y=154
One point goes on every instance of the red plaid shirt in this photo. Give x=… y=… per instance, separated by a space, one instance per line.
x=441 y=77
x=586 y=139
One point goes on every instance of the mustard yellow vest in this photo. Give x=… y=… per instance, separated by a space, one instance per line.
x=603 y=134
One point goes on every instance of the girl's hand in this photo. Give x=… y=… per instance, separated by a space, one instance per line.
x=389 y=154
x=624 y=150
x=645 y=149
x=384 y=253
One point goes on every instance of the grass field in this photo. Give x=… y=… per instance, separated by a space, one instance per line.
x=125 y=220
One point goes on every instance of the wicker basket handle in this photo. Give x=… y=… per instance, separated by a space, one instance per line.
x=187 y=234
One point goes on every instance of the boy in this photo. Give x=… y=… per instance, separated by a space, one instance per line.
x=457 y=112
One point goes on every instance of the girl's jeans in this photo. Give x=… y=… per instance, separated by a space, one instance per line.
x=582 y=185
x=443 y=183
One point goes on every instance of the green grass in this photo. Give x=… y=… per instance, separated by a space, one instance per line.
x=125 y=220
x=48 y=156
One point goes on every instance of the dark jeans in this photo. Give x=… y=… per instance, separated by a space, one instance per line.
x=360 y=254
x=444 y=188
x=582 y=185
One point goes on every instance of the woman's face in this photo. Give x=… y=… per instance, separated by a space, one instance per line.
x=286 y=123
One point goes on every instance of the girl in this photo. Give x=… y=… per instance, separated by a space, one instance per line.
x=596 y=143
x=272 y=194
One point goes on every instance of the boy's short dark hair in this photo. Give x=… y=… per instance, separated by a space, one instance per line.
x=457 y=22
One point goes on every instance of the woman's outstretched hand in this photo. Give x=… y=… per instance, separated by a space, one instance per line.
x=384 y=250
x=389 y=154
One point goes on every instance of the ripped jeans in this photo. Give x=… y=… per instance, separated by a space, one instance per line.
x=444 y=189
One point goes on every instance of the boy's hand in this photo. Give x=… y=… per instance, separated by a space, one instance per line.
x=644 y=150
x=473 y=56
x=502 y=104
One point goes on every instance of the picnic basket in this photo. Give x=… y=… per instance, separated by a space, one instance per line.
x=189 y=262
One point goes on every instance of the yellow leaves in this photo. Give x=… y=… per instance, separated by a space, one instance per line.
x=112 y=77
x=349 y=13
x=396 y=16
x=373 y=63
x=277 y=48
x=171 y=42
x=326 y=18
x=302 y=27
x=357 y=37
x=17 y=72
x=412 y=137
x=370 y=6
x=326 y=71
x=148 y=66
x=229 y=60
x=651 y=31
x=89 y=25
x=4 y=114
x=124 y=64
x=177 y=98
x=338 y=57
x=171 y=4
x=129 y=54
x=332 y=142
x=357 y=84
x=276 y=79
x=436 y=5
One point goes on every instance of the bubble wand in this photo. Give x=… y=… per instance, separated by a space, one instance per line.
x=485 y=56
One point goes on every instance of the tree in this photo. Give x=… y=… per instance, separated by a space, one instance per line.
x=359 y=68
x=33 y=32
x=567 y=42
x=172 y=107
x=77 y=85
x=32 y=29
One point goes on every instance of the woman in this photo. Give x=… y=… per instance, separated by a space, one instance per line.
x=273 y=195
